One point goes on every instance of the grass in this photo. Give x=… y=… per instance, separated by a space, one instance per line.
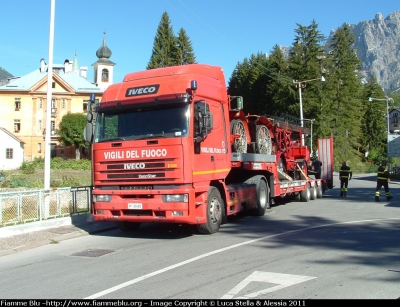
x=63 y=173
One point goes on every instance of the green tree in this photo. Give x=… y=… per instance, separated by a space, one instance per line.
x=184 y=49
x=71 y=131
x=249 y=81
x=345 y=104
x=304 y=63
x=279 y=85
x=164 y=47
x=374 y=122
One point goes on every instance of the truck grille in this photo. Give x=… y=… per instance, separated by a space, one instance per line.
x=143 y=172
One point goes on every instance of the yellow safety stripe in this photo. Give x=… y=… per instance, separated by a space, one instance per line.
x=214 y=171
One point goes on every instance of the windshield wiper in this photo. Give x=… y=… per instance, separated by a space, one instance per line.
x=112 y=139
x=151 y=136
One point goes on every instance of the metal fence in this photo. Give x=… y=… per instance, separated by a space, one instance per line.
x=17 y=207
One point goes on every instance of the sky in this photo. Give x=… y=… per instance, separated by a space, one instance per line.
x=222 y=32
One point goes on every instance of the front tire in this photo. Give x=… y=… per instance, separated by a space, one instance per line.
x=215 y=212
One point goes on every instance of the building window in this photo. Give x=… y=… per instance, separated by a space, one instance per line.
x=17 y=104
x=85 y=106
x=40 y=103
x=39 y=147
x=53 y=85
x=40 y=125
x=53 y=103
x=17 y=125
x=64 y=103
x=9 y=153
x=104 y=75
x=53 y=127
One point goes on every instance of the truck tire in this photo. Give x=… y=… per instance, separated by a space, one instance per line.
x=319 y=191
x=127 y=226
x=306 y=194
x=263 y=140
x=262 y=198
x=215 y=212
x=239 y=144
x=313 y=193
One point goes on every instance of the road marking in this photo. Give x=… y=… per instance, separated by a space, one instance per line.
x=283 y=281
x=174 y=266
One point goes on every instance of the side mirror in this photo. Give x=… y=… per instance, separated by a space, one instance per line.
x=88 y=133
x=237 y=103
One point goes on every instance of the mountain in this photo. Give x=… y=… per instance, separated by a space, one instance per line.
x=378 y=47
x=4 y=75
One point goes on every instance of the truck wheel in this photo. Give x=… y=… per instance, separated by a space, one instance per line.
x=262 y=198
x=239 y=144
x=306 y=194
x=263 y=140
x=313 y=193
x=215 y=212
x=127 y=226
x=319 y=191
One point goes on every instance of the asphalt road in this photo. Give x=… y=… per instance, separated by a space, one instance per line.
x=329 y=248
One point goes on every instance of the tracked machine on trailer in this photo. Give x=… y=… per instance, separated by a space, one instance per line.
x=170 y=145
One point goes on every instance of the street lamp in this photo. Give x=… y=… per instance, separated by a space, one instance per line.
x=387 y=115
x=300 y=84
x=311 y=121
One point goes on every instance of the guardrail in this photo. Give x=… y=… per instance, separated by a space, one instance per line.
x=23 y=206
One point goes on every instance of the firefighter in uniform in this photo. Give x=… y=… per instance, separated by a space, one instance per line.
x=345 y=175
x=382 y=180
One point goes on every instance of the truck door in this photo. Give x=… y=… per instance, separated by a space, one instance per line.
x=212 y=152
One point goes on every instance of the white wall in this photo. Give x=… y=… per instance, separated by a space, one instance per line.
x=7 y=141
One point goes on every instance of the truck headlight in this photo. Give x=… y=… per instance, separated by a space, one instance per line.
x=173 y=198
x=102 y=198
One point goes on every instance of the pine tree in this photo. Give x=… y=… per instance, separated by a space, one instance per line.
x=164 y=47
x=343 y=116
x=279 y=85
x=305 y=64
x=184 y=49
x=374 y=123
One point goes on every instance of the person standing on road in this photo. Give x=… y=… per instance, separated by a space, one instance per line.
x=382 y=180
x=345 y=175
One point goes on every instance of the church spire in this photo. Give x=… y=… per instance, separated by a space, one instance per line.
x=103 y=52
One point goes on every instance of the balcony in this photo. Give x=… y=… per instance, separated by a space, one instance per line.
x=53 y=134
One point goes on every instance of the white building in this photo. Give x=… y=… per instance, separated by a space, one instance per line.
x=12 y=150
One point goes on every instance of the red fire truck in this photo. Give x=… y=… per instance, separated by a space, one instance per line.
x=170 y=145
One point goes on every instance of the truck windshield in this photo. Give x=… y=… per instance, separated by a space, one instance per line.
x=133 y=124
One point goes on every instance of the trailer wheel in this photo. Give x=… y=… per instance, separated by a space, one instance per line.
x=239 y=144
x=263 y=140
x=319 y=191
x=262 y=198
x=127 y=226
x=215 y=212
x=306 y=194
x=313 y=193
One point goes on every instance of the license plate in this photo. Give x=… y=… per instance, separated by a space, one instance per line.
x=135 y=206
